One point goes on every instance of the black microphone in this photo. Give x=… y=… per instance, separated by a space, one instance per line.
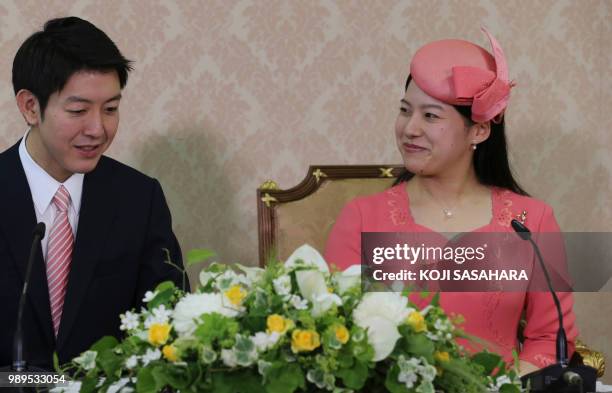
x=19 y=363
x=525 y=234
x=557 y=378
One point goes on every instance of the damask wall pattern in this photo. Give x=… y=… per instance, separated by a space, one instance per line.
x=228 y=94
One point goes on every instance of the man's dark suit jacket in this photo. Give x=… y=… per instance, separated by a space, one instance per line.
x=124 y=225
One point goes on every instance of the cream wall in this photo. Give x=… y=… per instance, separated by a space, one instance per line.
x=228 y=94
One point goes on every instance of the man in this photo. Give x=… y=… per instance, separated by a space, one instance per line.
x=107 y=225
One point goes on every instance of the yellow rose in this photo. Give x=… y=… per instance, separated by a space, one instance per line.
x=304 y=340
x=170 y=353
x=276 y=323
x=416 y=322
x=235 y=295
x=442 y=356
x=158 y=333
x=342 y=334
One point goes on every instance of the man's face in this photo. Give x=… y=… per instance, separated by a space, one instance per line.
x=80 y=122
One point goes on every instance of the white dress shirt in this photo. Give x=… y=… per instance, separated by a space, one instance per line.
x=43 y=187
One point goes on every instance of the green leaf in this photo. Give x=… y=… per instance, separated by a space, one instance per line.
x=420 y=345
x=146 y=382
x=243 y=381
x=165 y=285
x=216 y=327
x=284 y=378
x=435 y=300
x=110 y=363
x=198 y=255
x=509 y=388
x=354 y=377
x=162 y=297
x=88 y=384
x=488 y=360
x=105 y=343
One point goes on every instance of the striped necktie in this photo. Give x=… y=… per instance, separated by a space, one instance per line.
x=59 y=255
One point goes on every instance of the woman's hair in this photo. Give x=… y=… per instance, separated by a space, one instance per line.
x=490 y=159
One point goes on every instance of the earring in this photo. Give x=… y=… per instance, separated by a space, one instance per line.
x=474 y=145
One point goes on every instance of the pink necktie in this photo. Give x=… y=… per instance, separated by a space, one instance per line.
x=59 y=255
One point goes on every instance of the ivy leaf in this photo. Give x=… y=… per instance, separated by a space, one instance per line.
x=108 y=342
x=199 y=255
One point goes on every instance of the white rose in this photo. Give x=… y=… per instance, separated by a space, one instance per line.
x=193 y=305
x=311 y=283
x=348 y=278
x=309 y=256
x=388 y=305
x=382 y=335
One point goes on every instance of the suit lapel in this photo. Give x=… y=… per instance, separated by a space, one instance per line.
x=19 y=219
x=95 y=218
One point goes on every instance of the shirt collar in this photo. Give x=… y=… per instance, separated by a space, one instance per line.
x=43 y=186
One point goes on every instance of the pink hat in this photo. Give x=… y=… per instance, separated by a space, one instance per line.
x=458 y=72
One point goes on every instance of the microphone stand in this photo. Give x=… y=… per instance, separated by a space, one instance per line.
x=559 y=377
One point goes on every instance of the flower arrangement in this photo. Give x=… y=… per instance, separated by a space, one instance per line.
x=292 y=327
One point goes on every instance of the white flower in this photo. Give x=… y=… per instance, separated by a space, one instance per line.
x=131 y=362
x=348 y=279
x=309 y=257
x=150 y=355
x=87 y=359
x=388 y=305
x=228 y=279
x=205 y=277
x=382 y=335
x=282 y=285
x=229 y=358
x=298 y=303
x=119 y=386
x=323 y=302
x=311 y=283
x=264 y=341
x=129 y=321
x=158 y=315
x=193 y=305
x=253 y=274
x=148 y=296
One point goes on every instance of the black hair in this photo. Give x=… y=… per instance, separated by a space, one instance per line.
x=48 y=58
x=490 y=158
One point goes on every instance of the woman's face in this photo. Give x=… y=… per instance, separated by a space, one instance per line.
x=431 y=135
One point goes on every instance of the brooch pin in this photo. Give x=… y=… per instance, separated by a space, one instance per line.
x=522 y=217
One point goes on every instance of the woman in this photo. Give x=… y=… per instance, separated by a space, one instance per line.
x=450 y=132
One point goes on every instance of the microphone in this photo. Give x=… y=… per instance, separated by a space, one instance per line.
x=558 y=377
x=525 y=234
x=19 y=363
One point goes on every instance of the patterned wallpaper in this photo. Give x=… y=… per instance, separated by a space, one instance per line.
x=228 y=94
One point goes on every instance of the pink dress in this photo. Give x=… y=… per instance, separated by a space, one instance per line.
x=492 y=316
